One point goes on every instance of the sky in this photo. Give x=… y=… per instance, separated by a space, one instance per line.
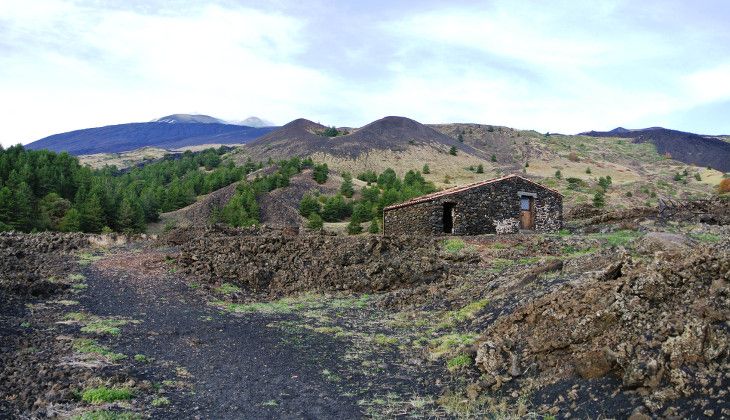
x=558 y=66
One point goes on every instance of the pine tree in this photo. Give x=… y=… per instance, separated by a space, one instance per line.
x=315 y=221
x=346 y=188
x=320 y=173
x=480 y=169
x=599 y=199
x=71 y=221
x=354 y=228
x=309 y=205
x=92 y=214
x=131 y=216
x=426 y=170
x=6 y=205
x=22 y=205
x=452 y=151
x=374 y=228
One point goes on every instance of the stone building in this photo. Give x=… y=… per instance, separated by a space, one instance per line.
x=509 y=204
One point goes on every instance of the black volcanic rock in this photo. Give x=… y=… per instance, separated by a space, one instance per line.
x=694 y=149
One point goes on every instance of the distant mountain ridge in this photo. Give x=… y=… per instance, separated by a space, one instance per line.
x=172 y=131
x=694 y=149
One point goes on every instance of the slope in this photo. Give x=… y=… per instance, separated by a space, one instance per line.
x=124 y=137
x=694 y=149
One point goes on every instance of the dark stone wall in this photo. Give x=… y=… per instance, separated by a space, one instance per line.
x=490 y=208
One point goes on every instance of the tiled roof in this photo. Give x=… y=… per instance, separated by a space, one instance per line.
x=453 y=190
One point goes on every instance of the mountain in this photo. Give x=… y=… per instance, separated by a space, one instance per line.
x=191 y=118
x=173 y=131
x=302 y=137
x=694 y=149
x=255 y=122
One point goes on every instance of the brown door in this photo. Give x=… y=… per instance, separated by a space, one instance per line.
x=527 y=206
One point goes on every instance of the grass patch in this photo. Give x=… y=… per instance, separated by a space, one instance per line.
x=104 y=326
x=459 y=362
x=141 y=358
x=336 y=331
x=227 y=289
x=619 y=238
x=454 y=245
x=705 y=237
x=277 y=307
x=451 y=318
x=448 y=343
x=76 y=277
x=103 y=394
x=500 y=264
x=87 y=345
x=86 y=258
x=384 y=340
x=76 y=316
x=79 y=286
x=160 y=401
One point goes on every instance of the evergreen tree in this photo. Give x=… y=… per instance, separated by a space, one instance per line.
x=346 y=188
x=6 y=205
x=452 y=151
x=92 y=214
x=52 y=210
x=354 y=228
x=599 y=199
x=71 y=221
x=131 y=216
x=374 y=228
x=309 y=205
x=336 y=209
x=320 y=173
x=22 y=205
x=315 y=221
x=480 y=169
x=426 y=170
x=494 y=158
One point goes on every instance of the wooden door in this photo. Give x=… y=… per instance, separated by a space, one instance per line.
x=527 y=206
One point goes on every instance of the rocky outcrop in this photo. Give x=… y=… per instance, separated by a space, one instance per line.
x=277 y=263
x=659 y=327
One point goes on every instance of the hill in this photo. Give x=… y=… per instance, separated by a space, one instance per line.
x=305 y=138
x=176 y=132
x=694 y=149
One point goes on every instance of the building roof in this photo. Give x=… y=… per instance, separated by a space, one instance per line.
x=454 y=190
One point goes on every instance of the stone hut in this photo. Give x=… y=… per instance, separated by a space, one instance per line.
x=509 y=204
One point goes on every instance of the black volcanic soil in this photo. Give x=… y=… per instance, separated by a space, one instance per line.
x=300 y=138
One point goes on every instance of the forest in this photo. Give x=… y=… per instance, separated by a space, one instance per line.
x=42 y=190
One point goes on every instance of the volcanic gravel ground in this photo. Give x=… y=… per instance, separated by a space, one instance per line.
x=230 y=367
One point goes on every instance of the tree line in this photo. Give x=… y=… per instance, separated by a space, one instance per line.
x=43 y=190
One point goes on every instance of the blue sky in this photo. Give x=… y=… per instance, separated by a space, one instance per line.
x=559 y=66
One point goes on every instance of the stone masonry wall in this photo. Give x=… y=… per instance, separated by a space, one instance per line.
x=489 y=208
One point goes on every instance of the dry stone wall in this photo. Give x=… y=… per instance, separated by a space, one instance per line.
x=275 y=263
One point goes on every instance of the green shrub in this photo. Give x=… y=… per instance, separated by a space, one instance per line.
x=426 y=169
x=374 y=227
x=308 y=205
x=452 y=151
x=315 y=221
x=320 y=173
x=354 y=228
x=459 y=362
x=480 y=169
x=558 y=174
x=599 y=199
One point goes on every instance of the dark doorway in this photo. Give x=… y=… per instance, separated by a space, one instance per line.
x=527 y=209
x=448 y=217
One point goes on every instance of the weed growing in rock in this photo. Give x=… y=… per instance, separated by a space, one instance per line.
x=87 y=345
x=104 y=326
x=459 y=362
x=103 y=395
x=228 y=288
x=160 y=401
x=454 y=245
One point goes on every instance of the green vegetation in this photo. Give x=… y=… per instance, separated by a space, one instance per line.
x=618 y=238
x=706 y=237
x=426 y=170
x=104 y=395
x=160 y=401
x=454 y=245
x=315 y=221
x=320 y=173
x=141 y=358
x=447 y=344
x=452 y=151
x=104 y=326
x=459 y=362
x=599 y=199
x=385 y=189
x=227 y=289
x=42 y=190
x=346 y=189
x=331 y=132
x=86 y=345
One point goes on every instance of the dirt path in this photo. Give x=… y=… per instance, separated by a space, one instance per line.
x=214 y=364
